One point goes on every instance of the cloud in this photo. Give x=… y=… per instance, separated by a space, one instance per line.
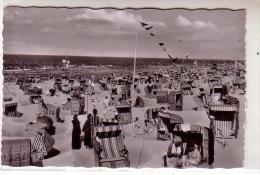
x=46 y=29
x=117 y=17
x=16 y=16
x=197 y=24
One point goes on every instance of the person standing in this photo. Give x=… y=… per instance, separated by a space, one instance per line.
x=76 y=131
x=87 y=132
x=95 y=118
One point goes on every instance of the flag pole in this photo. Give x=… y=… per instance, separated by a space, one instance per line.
x=135 y=53
x=134 y=72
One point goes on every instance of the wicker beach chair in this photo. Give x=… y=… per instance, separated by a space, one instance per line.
x=16 y=152
x=10 y=109
x=167 y=121
x=175 y=100
x=187 y=89
x=124 y=113
x=194 y=134
x=224 y=120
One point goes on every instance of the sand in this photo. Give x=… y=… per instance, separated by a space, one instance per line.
x=144 y=150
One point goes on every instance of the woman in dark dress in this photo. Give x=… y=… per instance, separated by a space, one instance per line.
x=87 y=132
x=76 y=131
x=149 y=85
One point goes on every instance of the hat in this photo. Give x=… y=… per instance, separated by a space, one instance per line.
x=177 y=139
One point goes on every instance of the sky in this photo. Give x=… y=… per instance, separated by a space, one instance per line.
x=200 y=34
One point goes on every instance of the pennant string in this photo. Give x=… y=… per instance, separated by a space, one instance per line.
x=148 y=27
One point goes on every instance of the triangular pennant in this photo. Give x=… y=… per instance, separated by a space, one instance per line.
x=143 y=24
x=148 y=28
x=161 y=44
x=175 y=59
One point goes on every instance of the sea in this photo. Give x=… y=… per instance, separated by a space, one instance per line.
x=12 y=61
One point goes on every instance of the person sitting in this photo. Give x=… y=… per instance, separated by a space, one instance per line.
x=193 y=157
x=175 y=152
x=111 y=101
x=137 y=127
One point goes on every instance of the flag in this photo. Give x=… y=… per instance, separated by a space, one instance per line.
x=173 y=59
x=148 y=28
x=151 y=34
x=161 y=44
x=39 y=145
x=143 y=24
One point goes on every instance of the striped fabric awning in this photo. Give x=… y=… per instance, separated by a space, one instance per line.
x=108 y=128
x=111 y=147
x=7 y=99
x=186 y=86
x=223 y=108
x=108 y=131
x=154 y=109
x=11 y=104
x=187 y=91
x=109 y=120
x=110 y=141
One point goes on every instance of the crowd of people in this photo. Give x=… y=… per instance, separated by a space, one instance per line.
x=91 y=122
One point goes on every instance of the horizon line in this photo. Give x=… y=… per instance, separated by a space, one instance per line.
x=189 y=58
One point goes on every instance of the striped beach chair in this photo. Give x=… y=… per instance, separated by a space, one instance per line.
x=109 y=148
x=16 y=152
x=224 y=120
x=10 y=109
x=187 y=90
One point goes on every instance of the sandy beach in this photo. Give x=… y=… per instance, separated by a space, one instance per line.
x=144 y=149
